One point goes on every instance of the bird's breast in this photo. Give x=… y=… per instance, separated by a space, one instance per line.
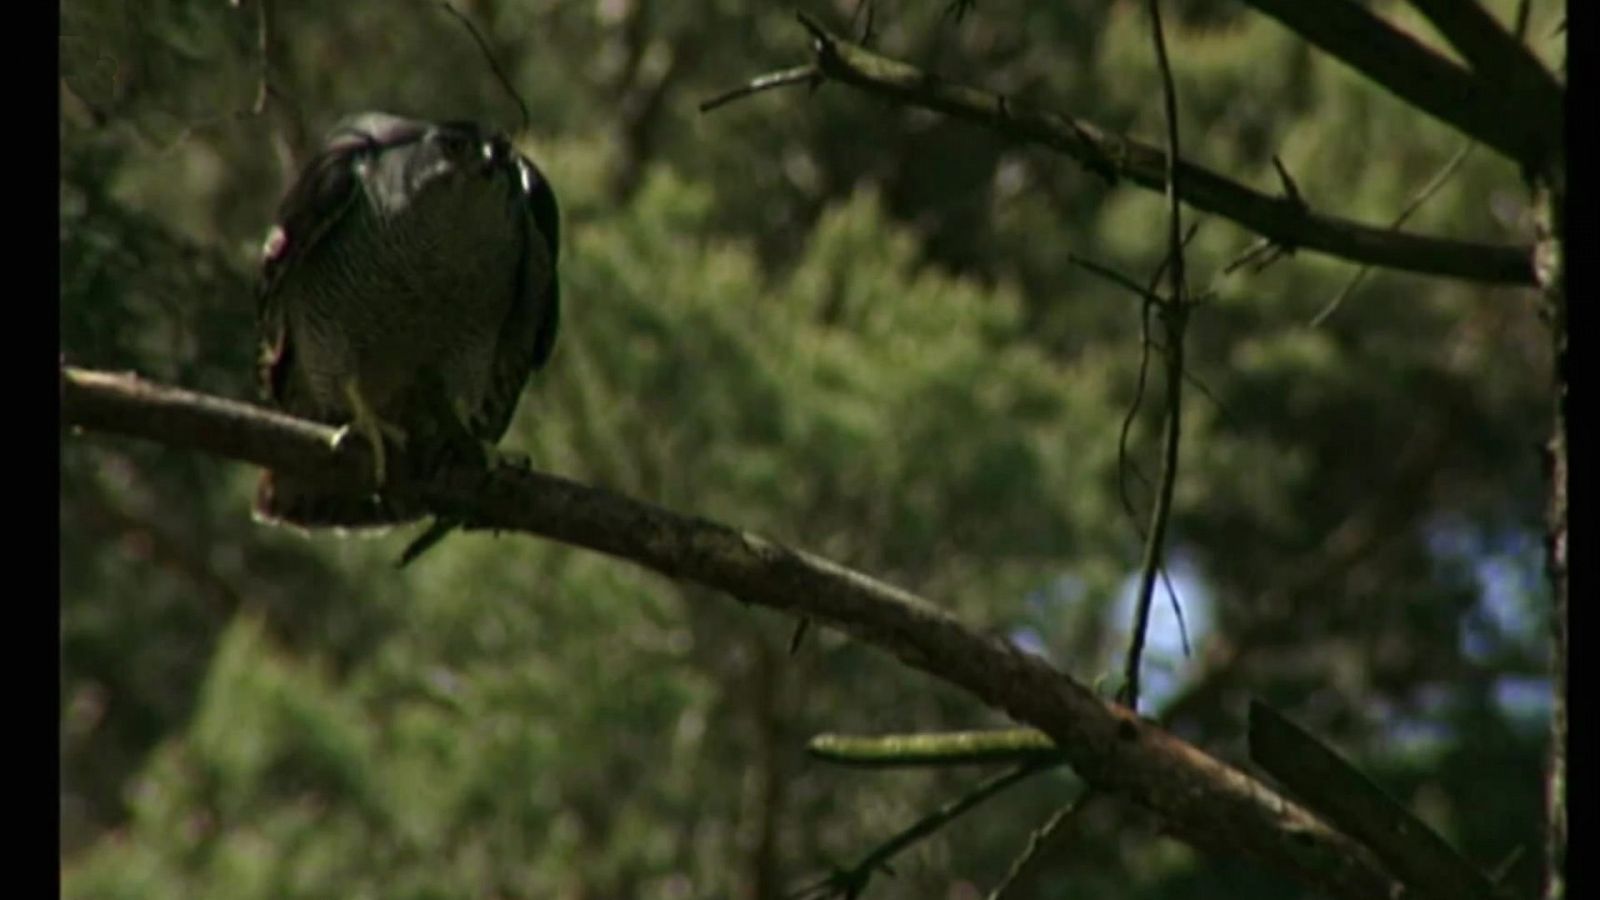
x=425 y=285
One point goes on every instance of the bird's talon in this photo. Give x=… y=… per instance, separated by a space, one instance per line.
x=373 y=429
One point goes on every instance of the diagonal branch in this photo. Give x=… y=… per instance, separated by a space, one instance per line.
x=1315 y=773
x=1283 y=220
x=1498 y=56
x=1422 y=196
x=1055 y=830
x=852 y=882
x=1526 y=129
x=1199 y=798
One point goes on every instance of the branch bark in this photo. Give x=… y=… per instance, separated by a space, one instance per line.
x=1496 y=55
x=1522 y=127
x=1199 y=798
x=1318 y=775
x=1551 y=197
x=1284 y=220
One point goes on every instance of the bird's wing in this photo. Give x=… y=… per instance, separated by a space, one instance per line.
x=529 y=334
x=323 y=194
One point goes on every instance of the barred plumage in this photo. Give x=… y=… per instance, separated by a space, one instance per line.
x=408 y=289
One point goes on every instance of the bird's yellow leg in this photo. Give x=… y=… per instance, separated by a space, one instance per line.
x=367 y=423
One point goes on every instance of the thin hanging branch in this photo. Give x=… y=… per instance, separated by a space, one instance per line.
x=494 y=64
x=1174 y=309
x=787 y=78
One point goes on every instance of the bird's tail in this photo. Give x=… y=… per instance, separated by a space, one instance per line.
x=286 y=500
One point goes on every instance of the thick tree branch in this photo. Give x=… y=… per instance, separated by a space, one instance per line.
x=1525 y=128
x=1285 y=221
x=1331 y=785
x=1551 y=204
x=1496 y=55
x=1199 y=798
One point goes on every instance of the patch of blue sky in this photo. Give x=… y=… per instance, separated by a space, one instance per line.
x=1166 y=669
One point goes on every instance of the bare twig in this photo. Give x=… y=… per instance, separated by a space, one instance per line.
x=768 y=82
x=1038 y=840
x=1148 y=294
x=1113 y=276
x=1290 y=189
x=494 y=64
x=1174 y=312
x=849 y=883
x=1177 y=612
x=1250 y=254
x=1124 y=461
x=1422 y=196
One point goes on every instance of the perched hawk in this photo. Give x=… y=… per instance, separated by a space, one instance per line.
x=408 y=290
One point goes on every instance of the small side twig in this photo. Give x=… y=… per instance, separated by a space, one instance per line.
x=788 y=77
x=850 y=883
x=1113 y=276
x=1038 y=840
x=1422 y=196
x=494 y=64
x=1291 y=190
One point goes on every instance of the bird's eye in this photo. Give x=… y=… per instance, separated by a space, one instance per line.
x=454 y=143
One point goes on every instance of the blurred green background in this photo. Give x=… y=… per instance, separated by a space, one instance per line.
x=844 y=324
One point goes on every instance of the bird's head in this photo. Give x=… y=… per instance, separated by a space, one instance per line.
x=405 y=161
x=404 y=169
